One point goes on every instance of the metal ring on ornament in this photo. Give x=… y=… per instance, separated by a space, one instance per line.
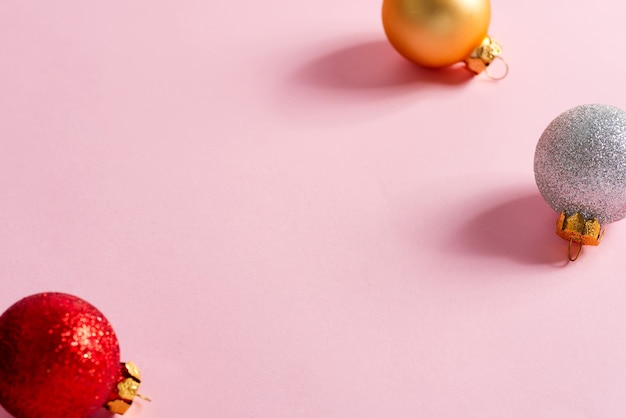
x=569 y=250
x=503 y=76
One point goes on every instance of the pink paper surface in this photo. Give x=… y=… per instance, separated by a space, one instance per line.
x=283 y=218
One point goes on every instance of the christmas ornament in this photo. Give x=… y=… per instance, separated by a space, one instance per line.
x=60 y=358
x=439 y=33
x=580 y=169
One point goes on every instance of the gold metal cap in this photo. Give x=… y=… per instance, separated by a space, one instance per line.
x=486 y=53
x=125 y=391
x=578 y=229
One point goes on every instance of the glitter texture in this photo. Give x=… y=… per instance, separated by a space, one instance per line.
x=580 y=163
x=59 y=357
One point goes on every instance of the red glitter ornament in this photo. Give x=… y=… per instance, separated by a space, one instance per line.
x=59 y=358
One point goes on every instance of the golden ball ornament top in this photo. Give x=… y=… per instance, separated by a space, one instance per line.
x=439 y=33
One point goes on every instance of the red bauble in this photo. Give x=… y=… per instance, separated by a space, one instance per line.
x=59 y=357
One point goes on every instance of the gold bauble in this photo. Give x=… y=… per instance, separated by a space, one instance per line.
x=436 y=33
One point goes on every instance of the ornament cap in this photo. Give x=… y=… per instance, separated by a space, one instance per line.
x=125 y=391
x=575 y=228
x=484 y=55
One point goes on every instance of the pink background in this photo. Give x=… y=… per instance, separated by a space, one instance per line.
x=283 y=218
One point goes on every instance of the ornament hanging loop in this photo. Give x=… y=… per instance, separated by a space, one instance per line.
x=499 y=77
x=569 y=250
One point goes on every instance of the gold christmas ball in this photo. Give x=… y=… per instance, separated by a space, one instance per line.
x=436 y=33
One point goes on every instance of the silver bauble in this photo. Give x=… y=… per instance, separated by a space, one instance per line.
x=580 y=163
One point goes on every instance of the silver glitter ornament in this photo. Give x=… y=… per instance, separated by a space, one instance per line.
x=580 y=169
